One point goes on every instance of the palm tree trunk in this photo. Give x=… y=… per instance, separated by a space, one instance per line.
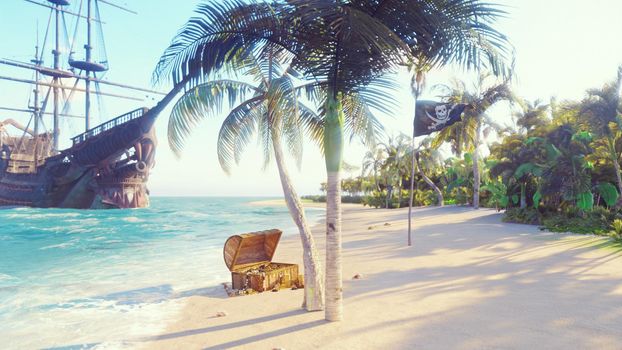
x=399 y=194
x=476 y=174
x=439 y=193
x=314 y=286
x=523 y=196
x=386 y=198
x=333 y=148
x=616 y=164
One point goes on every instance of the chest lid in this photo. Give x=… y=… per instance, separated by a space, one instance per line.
x=251 y=248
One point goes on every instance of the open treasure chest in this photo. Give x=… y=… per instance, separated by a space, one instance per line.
x=249 y=258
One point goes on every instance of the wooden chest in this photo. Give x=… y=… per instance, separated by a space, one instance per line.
x=249 y=258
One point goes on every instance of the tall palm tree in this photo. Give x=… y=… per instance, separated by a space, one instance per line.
x=601 y=111
x=270 y=108
x=467 y=134
x=344 y=46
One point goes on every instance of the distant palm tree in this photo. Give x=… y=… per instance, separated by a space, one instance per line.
x=395 y=166
x=467 y=134
x=343 y=46
x=532 y=114
x=601 y=111
x=428 y=157
x=372 y=162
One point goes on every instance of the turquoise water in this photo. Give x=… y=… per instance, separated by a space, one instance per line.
x=98 y=279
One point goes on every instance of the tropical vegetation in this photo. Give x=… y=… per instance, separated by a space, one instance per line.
x=556 y=164
x=344 y=49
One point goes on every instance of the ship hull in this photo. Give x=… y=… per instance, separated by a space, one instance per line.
x=107 y=167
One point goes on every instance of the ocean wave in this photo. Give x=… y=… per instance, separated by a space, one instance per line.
x=194 y=214
x=6 y=278
x=60 y=245
x=31 y=216
x=77 y=230
x=132 y=219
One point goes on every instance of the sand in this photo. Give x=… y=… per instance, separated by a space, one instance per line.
x=469 y=282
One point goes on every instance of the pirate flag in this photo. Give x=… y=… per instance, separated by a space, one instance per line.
x=433 y=116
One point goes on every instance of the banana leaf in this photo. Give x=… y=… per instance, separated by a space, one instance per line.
x=536 y=199
x=608 y=193
x=585 y=201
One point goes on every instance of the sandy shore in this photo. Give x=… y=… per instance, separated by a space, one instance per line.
x=469 y=282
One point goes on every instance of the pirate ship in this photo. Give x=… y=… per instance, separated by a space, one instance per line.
x=106 y=166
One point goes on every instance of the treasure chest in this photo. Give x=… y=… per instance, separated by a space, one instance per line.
x=249 y=258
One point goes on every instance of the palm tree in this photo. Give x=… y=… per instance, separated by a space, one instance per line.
x=601 y=111
x=532 y=114
x=271 y=109
x=372 y=162
x=428 y=157
x=395 y=166
x=343 y=46
x=467 y=134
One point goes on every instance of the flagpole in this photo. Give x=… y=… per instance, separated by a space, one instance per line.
x=418 y=79
x=412 y=186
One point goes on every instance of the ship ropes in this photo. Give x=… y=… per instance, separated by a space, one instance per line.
x=107 y=163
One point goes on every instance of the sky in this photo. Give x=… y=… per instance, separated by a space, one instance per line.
x=562 y=48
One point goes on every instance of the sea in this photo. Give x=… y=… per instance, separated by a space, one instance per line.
x=105 y=279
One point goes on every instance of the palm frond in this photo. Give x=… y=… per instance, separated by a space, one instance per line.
x=223 y=32
x=360 y=121
x=447 y=31
x=312 y=125
x=236 y=131
x=203 y=101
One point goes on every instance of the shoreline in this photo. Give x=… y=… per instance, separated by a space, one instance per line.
x=469 y=282
x=281 y=202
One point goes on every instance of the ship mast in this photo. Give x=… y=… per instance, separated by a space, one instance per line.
x=88 y=47
x=35 y=108
x=56 y=79
x=88 y=64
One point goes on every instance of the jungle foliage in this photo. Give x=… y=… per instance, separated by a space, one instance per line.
x=557 y=166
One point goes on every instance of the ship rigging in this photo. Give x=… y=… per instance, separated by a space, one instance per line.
x=107 y=166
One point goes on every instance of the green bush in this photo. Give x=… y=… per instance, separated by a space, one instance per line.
x=617 y=229
x=460 y=195
x=575 y=220
x=344 y=199
x=376 y=200
x=529 y=216
x=315 y=198
x=598 y=221
x=420 y=198
x=351 y=199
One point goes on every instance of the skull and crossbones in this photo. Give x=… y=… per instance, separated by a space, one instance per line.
x=442 y=116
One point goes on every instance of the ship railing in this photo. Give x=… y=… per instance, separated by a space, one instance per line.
x=111 y=124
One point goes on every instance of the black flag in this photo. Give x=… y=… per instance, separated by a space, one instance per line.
x=431 y=116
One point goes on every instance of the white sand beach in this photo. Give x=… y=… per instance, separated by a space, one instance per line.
x=469 y=282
